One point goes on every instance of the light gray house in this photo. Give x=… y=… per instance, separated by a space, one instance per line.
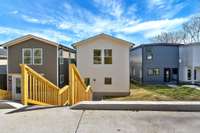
x=48 y=58
x=155 y=63
x=103 y=61
x=189 y=63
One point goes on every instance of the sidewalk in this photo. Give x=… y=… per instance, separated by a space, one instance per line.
x=139 y=105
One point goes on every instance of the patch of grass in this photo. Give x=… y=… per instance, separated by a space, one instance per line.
x=160 y=93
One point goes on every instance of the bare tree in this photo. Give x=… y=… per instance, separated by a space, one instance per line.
x=170 y=37
x=189 y=33
x=192 y=29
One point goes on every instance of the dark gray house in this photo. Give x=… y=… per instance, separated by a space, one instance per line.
x=3 y=68
x=46 y=57
x=155 y=63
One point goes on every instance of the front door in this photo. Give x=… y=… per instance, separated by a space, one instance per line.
x=16 y=87
x=167 y=75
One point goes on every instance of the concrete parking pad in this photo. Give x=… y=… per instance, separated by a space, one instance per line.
x=64 y=120
x=52 y=120
x=139 y=122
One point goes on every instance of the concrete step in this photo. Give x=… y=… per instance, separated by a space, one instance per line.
x=6 y=104
x=138 y=105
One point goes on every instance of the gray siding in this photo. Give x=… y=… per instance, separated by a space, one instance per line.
x=163 y=57
x=49 y=66
x=136 y=65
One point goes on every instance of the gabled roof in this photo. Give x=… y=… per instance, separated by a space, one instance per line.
x=102 y=35
x=27 y=37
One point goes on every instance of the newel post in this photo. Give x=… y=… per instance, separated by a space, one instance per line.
x=71 y=85
x=24 y=85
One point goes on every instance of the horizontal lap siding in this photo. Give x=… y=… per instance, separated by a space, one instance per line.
x=49 y=66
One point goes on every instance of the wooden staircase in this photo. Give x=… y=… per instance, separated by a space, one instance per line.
x=36 y=89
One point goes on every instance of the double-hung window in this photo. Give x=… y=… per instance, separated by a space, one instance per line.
x=107 y=56
x=32 y=56
x=37 y=56
x=108 y=81
x=27 y=56
x=154 y=72
x=97 y=56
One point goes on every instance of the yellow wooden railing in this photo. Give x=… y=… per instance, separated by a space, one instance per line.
x=36 y=89
x=4 y=95
x=79 y=91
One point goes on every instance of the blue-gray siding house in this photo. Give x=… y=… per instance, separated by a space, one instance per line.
x=155 y=63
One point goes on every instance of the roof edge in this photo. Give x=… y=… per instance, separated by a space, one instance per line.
x=98 y=35
x=27 y=37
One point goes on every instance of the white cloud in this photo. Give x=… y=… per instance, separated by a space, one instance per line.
x=156 y=3
x=112 y=7
x=44 y=33
x=166 y=8
x=36 y=20
x=14 y=12
x=158 y=25
x=30 y=19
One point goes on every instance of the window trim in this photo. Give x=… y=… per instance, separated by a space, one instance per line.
x=31 y=55
x=34 y=56
x=108 y=57
x=97 y=56
x=110 y=80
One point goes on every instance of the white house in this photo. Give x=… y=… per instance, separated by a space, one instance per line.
x=103 y=61
x=189 y=63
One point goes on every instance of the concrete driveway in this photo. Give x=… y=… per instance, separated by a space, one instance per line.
x=64 y=120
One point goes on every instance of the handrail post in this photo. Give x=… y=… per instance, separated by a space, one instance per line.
x=59 y=98
x=71 y=85
x=24 y=85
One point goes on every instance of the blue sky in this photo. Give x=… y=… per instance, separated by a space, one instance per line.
x=68 y=21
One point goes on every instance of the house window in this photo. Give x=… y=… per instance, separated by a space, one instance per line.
x=27 y=56
x=195 y=74
x=72 y=55
x=108 y=81
x=87 y=81
x=154 y=72
x=37 y=55
x=61 y=56
x=189 y=74
x=150 y=72
x=62 y=78
x=149 y=56
x=97 y=56
x=107 y=56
